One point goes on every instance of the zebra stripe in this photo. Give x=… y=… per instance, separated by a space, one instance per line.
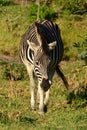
x=50 y=37
x=51 y=33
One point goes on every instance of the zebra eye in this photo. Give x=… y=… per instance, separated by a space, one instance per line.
x=37 y=63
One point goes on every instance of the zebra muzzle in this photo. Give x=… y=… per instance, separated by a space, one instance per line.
x=45 y=84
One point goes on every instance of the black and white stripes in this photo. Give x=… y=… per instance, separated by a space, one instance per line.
x=50 y=33
x=41 y=50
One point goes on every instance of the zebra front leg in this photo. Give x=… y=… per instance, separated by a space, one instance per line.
x=46 y=101
x=38 y=96
x=32 y=87
x=41 y=103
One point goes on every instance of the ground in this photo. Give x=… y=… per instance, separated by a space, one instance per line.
x=66 y=110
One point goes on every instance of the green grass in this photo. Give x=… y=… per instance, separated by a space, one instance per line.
x=15 y=20
x=64 y=112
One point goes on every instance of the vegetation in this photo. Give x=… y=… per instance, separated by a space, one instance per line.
x=82 y=50
x=76 y=7
x=15 y=20
x=67 y=110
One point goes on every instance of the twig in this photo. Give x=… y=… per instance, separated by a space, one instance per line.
x=10 y=59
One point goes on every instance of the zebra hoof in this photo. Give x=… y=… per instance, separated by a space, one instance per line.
x=45 y=108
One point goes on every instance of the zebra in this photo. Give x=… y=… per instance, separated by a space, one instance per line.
x=41 y=50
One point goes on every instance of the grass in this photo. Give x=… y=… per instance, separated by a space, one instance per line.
x=15 y=20
x=12 y=28
x=64 y=112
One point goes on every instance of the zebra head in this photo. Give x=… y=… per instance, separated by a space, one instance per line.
x=42 y=64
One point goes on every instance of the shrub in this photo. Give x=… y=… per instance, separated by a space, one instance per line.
x=82 y=49
x=71 y=6
x=6 y=2
x=46 y=12
x=12 y=71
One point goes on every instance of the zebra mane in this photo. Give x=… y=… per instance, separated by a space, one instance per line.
x=41 y=34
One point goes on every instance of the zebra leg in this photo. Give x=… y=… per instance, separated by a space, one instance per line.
x=46 y=101
x=32 y=86
x=41 y=104
x=38 y=96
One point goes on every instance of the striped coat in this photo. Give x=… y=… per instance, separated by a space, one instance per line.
x=41 y=50
x=51 y=33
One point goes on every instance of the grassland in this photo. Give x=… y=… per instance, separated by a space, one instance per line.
x=15 y=20
x=66 y=110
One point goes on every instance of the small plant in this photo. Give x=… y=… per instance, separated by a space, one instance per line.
x=46 y=12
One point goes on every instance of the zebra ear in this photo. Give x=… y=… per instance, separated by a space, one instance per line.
x=32 y=46
x=52 y=45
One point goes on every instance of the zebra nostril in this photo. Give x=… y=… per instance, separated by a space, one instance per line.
x=45 y=84
x=47 y=80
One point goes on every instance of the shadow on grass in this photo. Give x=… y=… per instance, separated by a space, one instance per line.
x=28 y=120
x=79 y=97
x=4 y=119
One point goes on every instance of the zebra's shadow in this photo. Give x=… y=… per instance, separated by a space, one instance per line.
x=79 y=96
